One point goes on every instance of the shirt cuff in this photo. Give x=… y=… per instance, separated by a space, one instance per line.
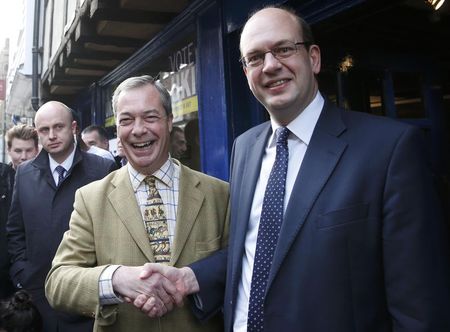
x=105 y=288
x=198 y=301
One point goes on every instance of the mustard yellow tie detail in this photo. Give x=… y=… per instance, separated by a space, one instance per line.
x=156 y=223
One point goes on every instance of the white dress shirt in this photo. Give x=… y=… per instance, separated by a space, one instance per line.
x=301 y=128
x=67 y=164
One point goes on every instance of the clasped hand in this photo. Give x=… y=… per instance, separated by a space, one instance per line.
x=153 y=288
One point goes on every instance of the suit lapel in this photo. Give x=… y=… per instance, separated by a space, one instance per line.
x=190 y=200
x=124 y=203
x=243 y=203
x=322 y=156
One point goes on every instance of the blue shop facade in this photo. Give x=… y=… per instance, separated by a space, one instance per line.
x=387 y=58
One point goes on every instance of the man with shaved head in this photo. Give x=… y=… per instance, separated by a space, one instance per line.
x=42 y=204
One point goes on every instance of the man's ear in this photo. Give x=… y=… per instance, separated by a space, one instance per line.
x=315 y=58
x=170 y=122
x=74 y=127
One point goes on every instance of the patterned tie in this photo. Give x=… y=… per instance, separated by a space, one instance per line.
x=60 y=170
x=268 y=232
x=156 y=223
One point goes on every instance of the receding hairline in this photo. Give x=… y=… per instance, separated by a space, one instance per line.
x=54 y=104
x=282 y=10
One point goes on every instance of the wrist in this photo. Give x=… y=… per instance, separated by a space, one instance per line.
x=190 y=281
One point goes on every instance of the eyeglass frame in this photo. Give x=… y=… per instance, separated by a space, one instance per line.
x=244 y=64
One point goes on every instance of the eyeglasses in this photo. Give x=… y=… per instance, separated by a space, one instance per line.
x=282 y=51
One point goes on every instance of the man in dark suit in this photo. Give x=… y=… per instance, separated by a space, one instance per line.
x=41 y=205
x=22 y=145
x=349 y=237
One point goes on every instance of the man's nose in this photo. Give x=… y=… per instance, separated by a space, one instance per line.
x=270 y=62
x=139 y=127
x=51 y=134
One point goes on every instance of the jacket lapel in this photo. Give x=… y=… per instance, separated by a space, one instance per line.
x=242 y=204
x=124 y=203
x=322 y=156
x=190 y=200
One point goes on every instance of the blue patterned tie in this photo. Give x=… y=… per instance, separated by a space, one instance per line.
x=268 y=232
x=60 y=170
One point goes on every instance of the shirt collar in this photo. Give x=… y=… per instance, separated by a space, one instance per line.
x=303 y=125
x=163 y=174
x=67 y=164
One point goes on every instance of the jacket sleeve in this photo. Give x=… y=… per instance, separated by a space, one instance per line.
x=211 y=277
x=415 y=252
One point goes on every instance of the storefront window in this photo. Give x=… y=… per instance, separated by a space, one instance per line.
x=408 y=95
x=174 y=65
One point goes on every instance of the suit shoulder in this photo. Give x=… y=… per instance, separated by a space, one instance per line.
x=365 y=120
x=101 y=185
x=254 y=131
x=97 y=162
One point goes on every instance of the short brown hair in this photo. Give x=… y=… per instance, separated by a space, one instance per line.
x=21 y=131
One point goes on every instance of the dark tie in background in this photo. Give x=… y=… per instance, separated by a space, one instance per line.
x=156 y=223
x=60 y=170
x=268 y=232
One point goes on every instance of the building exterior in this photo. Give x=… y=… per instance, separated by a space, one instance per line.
x=4 y=58
x=383 y=57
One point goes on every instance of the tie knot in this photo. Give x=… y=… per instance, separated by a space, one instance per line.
x=282 y=134
x=150 y=180
x=60 y=170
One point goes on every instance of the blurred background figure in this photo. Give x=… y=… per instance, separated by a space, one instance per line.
x=96 y=139
x=178 y=144
x=192 y=135
x=22 y=143
x=122 y=159
x=18 y=314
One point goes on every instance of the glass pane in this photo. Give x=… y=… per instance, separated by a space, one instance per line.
x=174 y=65
x=408 y=95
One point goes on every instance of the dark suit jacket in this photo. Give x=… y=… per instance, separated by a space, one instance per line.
x=361 y=247
x=6 y=188
x=39 y=216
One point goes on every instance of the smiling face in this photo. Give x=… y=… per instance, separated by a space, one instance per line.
x=56 y=130
x=21 y=150
x=143 y=128
x=285 y=87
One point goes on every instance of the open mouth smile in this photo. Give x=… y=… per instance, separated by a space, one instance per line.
x=276 y=83
x=142 y=145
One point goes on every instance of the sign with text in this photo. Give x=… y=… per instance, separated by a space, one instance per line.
x=181 y=81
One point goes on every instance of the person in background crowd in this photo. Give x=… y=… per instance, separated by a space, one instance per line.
x=22 y=145
x=19 y=314
x=335 y=224
x=152 y=210
x=191 y=132
x=41 y=205
x=177 y=143
x=121 y=153
x=96 y=138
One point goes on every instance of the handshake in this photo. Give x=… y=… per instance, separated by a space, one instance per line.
x=154 y=288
